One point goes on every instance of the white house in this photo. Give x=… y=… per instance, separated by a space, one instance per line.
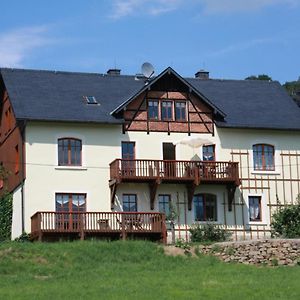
x=103 y=154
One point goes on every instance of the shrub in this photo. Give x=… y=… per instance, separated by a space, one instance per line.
x=286 y=221
x=5 y=216
x=24 y=237
x=208 y=233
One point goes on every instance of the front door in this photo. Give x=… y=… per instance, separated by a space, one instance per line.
x=169 y=157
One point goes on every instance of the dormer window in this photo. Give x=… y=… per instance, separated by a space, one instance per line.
x=90 y=100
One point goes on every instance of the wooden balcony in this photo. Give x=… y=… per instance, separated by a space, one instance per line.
x=111 y=225
x=173 y=171
x=191 y=173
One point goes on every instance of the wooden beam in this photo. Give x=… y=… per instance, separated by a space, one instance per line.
x=190 y=192
x=153 y=188
x=230 y=191
x=113 y=190
x=199 y=114
x=136 y=112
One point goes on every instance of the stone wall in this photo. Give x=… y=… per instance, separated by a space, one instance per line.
x=266 y=252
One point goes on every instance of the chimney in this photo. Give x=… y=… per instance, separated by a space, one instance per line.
x=202 y=74
x=114 y=72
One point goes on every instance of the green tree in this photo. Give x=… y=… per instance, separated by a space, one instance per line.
x=259 y=77
x=293 y=88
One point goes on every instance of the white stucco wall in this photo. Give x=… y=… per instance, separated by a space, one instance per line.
x=102 y=144
x=16 y=229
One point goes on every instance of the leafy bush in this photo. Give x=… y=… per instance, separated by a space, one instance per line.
x=5 y=216
x=286 y=221
x=24 y=237
x=208 y=233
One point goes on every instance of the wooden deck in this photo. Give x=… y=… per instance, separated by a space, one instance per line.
x=190 y=173
x=110 y=225
x=173 y=171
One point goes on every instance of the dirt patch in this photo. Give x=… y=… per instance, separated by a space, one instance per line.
x=176 y=251
x=6 y=251
x=41 y=260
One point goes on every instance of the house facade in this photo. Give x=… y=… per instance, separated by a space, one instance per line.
x=89 y=149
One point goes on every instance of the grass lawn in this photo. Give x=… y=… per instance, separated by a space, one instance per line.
x=133 y=270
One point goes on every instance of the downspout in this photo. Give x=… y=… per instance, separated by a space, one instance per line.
x=23 y=179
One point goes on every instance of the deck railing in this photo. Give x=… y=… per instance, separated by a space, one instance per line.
x=97 y=222
x=173 y=170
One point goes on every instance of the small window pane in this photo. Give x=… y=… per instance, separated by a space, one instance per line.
x=129 y=202
x=166 y=110
x=263 y=157
x=153 y=109
x=180 y=111
x=208 y=153
x=164 y=204
x=205 y=207
x=255 y=208
x=69 y=152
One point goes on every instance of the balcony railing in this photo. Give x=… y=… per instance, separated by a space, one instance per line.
x=89 y=223
x=177 y=170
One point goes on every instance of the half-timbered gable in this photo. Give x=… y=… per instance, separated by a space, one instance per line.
x=169 y=104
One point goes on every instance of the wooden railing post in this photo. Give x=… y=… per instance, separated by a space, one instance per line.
x=39 y=221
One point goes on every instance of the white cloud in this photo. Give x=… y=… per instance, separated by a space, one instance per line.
x=17 y=45
x=124 y=8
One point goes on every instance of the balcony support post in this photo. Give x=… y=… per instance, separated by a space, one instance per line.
x=113 y=189
x=190 y=192
x=153 y=188
x=230 y=191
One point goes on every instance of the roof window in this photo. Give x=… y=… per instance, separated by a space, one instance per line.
x=90 y=100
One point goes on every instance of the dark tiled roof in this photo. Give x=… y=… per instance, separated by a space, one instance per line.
x=251 y=103
x=58 y=96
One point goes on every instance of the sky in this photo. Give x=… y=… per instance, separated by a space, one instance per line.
x=232 y=39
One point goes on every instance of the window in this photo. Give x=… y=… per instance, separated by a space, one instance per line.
x=180 y=111
x=255 y=208
x=263 y=157
x=90 y=100
x=153 y=109
x=70 y=203
x=129 y=202
x=69 y=152
x=208 y=153
x=164 y=204
x=205 y=207
x=17 y=159
x=166 y=110
x=128 y=150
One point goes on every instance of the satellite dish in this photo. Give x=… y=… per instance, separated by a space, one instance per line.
x=147 y=70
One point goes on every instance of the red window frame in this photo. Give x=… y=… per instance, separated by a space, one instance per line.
x=261 y=157
x=67 y=161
